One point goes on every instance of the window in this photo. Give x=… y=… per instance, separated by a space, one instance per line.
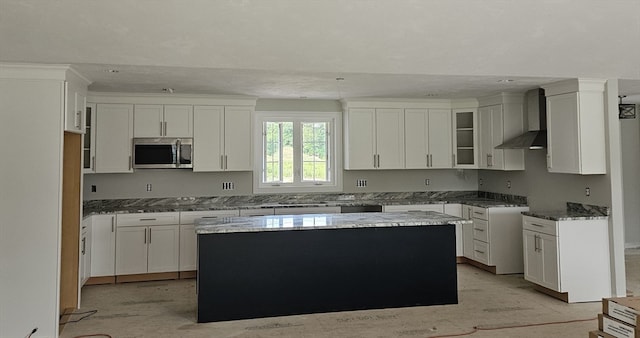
x=296 y=152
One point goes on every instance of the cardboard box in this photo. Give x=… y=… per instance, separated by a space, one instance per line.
x=625 y=309
x=616 y=328
x=600 y=334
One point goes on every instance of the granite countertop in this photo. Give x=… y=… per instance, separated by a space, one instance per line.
x=140 y=205
x=573 y=212
x=324 y=221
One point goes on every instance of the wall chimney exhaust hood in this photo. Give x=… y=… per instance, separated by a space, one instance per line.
x=536 y=137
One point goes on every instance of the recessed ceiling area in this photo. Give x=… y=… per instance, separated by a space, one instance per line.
x=293 y=85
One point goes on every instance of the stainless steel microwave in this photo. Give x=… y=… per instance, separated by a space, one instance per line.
x=164 y=152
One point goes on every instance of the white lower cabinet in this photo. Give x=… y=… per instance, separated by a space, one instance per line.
x=103 y=245
x=568 y=257
x=189 y=239
x=467 y=232
x=147 y=243
x=85 y=251
x=497 y=238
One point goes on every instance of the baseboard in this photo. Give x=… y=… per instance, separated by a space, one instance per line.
x=563 y=296
x=101 y=280
x=479 y=265
x=145 y=277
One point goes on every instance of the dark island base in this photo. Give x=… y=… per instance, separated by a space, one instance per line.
x=275 y=273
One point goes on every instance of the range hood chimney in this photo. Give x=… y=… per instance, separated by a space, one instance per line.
x=536 y=137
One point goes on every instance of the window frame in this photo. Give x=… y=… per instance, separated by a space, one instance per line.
x=334 y=150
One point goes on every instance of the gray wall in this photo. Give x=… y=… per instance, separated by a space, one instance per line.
x=183 y=183
x=630 y=131
x=546 y=191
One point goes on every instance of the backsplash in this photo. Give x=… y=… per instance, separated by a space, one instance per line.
x=588 y=209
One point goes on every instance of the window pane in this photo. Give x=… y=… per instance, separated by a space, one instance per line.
x=287 y=152
x=278 y=152
x=314 y=152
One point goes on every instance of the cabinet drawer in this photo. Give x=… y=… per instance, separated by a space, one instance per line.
x=544 y=226
x=189 y=217
x=481 y=230
x=480 y=213
x=481 y=252
x=151 y=218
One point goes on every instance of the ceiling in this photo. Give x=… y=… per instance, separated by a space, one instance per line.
x=299 y=48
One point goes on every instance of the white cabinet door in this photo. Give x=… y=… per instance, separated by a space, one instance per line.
x=360 y=143
x=416 y=138
x=390 y=138
x=465 y=143
x=131 y=250
x=439 y=138
x=89 y=141
x=208 y=138
x=550 y=269
x=163 y=248
x=467 y=232
x=532 y=257
x=485 y=125
x=114 y=131
x=85 y=252
x=188 y=247
x=75 y=103
x=148 y=120
x=222 y=138
x=103 y=245
x=238 y=138
x=178 y=121
x=497 y=137
x=563 y=147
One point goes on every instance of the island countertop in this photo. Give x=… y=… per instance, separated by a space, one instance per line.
x=324 y=221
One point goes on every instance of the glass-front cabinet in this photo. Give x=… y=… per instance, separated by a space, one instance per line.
x=465 y=144
x=88 y=147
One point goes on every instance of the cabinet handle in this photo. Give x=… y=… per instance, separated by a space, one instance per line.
x=93 y=162
x=209 y=217
x=161 y=131
x=78 y=119
x=84 y=242
x=221 y=161
x=149 y=236
x=112 y=224
x=426 y=156
x=145 y=235
x=478 y=229
x=130 y=163
x=148 y=219
x=478 y=251
x=430 y=160
x=478 y=213
x=537 y=225
x=378 y=160
x=226 y=162
x=374 y=160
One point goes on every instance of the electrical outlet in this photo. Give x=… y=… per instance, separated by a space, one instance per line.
x=508 y=184
x=361 y=183
x=228 y=186
x=480 y=181
x=587 y=191
x=427 y=181
x=94 y=188
x=149 y=187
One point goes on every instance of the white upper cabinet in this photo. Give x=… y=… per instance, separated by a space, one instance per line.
x=374 y=138
x=75 y=94
x=114 y=131
x=428 y=138
x=89 y=141
x=465 y=138
x=500 y=118
x=222 y=138
x=575 y=131
x=155 y=120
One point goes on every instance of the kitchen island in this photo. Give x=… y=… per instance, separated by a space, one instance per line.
x=251 y=267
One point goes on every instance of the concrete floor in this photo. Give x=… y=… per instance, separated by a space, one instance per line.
x=167 y=309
